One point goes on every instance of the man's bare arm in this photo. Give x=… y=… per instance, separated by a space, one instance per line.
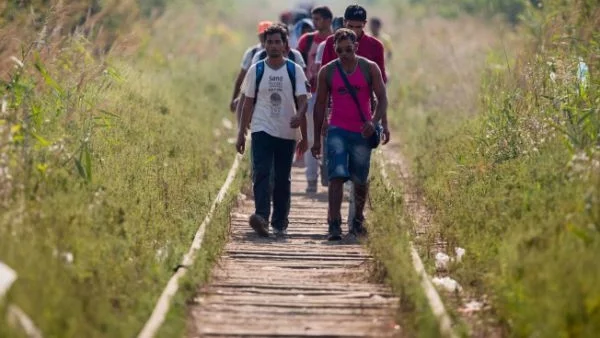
x=238 y=108
x=380 y=93
x=321 y=103
x=236 y=88
x=302 y=107
x=247 y=111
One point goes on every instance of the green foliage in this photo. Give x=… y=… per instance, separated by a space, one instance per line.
x=107 y=169
x=518 y=185
x=512 y=10
x=389 y=229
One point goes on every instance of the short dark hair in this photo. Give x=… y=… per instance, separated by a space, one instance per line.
x=323 y=11
x=277 y=29
x=285 y=28
x=375 y=21
x=337 y=23
x=355 y=12
x=344 y=34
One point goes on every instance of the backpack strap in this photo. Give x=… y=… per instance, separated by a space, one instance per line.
x=291 y=70
x=253 y=52
x=292 y=56
x=260 y=71
x=262 y=55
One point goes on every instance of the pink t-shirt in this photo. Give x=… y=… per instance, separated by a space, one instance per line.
x=344 y=113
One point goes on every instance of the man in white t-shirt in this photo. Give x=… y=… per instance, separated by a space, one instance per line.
x=247 y=62
x=261 y=54
x=273 y=110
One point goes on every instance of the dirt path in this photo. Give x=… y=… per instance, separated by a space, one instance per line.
x=298 y=286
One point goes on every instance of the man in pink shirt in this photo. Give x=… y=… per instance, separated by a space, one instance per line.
x=307 y=45
x=355 y=19
x=349 y=81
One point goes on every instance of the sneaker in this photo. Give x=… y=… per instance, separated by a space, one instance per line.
x=357 y=228
x=311 y=188
x=335 y=230
x=279 y=232
x=259 y=225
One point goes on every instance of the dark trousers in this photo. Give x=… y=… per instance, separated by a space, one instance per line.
x=272 y=153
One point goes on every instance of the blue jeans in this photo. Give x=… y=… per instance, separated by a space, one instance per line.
x=348 y=155
x=272 y=153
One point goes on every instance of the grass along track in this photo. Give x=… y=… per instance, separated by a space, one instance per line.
x=94 y=243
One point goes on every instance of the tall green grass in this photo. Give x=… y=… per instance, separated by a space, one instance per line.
x=108 y=168
x=390 y=230
x=517 y=181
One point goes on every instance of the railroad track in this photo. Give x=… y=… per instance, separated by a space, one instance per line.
x=301 y=285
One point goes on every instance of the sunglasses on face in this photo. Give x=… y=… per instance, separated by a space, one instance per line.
x=341 y=50
x=349 y=26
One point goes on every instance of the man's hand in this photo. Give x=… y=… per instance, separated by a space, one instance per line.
x=386 y=135
x=324 y=127
x=241 y=143
x=233 y=104
x=368 y=129
x=302 y=146
x=295 y=121
x=316 y=150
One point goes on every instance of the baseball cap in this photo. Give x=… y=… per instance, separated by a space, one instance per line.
x=355 y=12
x=263 y=25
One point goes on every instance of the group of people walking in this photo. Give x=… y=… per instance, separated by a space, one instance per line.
x=324 y=98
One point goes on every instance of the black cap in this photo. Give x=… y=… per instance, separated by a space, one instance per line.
x=355 y=12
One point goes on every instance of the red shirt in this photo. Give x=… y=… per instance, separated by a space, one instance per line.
x=368 y=47
x=311 y=52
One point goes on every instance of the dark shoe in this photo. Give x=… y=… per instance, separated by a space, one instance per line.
x=280 y=233
x=335 y=230
x=357 y=228
x=259 y=225
x=311 y=188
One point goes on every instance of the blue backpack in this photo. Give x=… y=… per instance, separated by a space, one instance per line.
x=291 y=70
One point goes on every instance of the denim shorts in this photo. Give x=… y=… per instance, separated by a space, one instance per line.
x=348 y=155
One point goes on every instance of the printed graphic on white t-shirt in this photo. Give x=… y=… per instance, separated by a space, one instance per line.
x=274 y=106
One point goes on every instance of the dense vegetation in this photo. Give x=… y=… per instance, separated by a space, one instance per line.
x=515 y=177
x=108 y=160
